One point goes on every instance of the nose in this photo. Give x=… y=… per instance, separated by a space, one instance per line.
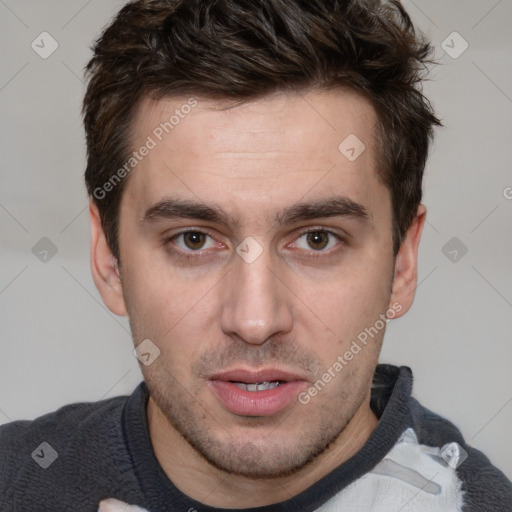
x=256 y=302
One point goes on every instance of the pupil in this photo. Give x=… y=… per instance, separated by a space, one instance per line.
x=317 y=239
x=194 y=240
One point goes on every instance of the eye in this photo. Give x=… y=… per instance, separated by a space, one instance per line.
x=193 y=241
x=319 y=240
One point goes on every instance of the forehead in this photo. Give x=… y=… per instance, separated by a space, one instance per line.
x=273 y=150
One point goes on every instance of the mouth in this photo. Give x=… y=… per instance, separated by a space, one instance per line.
x=257 y=386
x=262 y=392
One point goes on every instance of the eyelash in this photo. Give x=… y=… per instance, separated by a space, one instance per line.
x=192 y=255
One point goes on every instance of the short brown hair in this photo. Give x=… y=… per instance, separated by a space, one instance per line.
x=244 y=49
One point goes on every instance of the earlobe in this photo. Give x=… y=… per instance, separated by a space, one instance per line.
x=104 y=268
x=406 y=264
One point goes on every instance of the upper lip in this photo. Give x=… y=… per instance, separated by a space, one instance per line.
x=256 y=375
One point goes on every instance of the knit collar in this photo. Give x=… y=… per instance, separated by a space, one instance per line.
x=391 y=391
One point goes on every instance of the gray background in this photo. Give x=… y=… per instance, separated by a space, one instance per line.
x=59 y=344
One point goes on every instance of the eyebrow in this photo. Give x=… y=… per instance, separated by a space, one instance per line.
x=334 y=206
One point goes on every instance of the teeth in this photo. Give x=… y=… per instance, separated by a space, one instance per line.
x=259 y=386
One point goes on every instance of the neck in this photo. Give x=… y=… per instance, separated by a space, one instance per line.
x=199 y=480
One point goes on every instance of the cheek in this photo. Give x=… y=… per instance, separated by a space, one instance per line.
x=155 y=289
x=169 y=312
x=344 y=315
x=350 y=297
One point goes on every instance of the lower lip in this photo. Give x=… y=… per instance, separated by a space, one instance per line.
x=256 y=403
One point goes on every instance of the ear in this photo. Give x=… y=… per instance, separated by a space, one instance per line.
x=406 y=264
x=104 y=268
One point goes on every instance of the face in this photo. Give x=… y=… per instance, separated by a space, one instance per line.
x=253 y=253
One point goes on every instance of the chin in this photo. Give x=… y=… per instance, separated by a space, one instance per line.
x=265 y=455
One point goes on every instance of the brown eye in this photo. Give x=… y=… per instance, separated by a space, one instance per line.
x=193 y=246
x=194 y=240
x=317 y=240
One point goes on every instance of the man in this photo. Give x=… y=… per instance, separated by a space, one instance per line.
x=255 y=170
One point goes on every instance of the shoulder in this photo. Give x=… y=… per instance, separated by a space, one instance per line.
x=55 y=439
x=61 y=423
x=484 y=486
